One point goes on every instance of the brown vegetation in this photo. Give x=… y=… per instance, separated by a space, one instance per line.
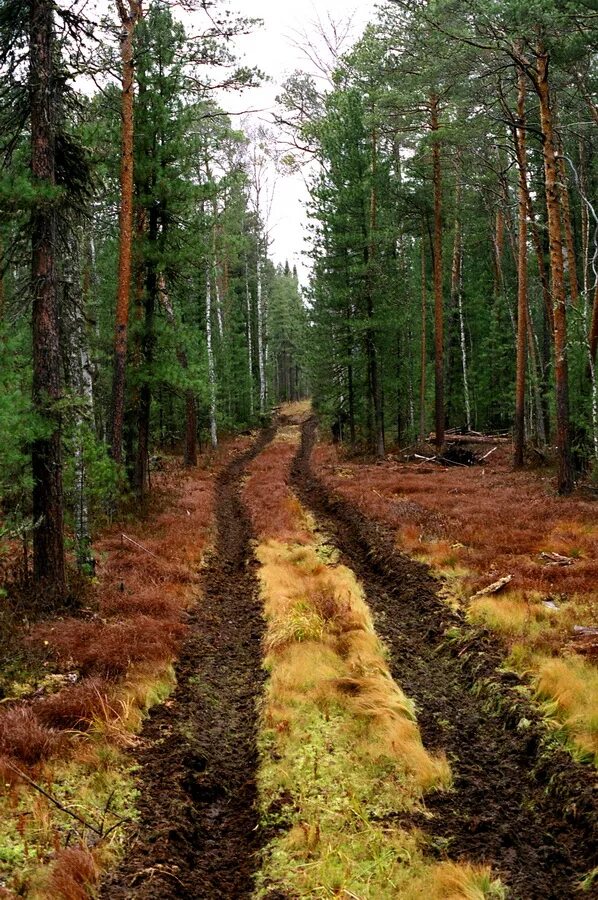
x=100 y=673
x=476 y=525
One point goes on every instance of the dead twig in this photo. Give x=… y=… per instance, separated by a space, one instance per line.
x=488 y=454
x=101 y=832
x=141 y=547
x=53 y=800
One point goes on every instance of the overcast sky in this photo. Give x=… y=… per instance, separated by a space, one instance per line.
x=274 y=49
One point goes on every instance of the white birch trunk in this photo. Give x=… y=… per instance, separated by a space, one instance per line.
x=80 y=366
x=249 y=342
x=260 y=338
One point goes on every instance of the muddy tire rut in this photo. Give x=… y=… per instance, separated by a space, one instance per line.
x=519 y=802
x=197 y=834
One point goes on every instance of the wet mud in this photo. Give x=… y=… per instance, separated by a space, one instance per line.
x=197 y=834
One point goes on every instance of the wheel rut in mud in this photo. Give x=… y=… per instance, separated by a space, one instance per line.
x=519 y=805
x=197 y=835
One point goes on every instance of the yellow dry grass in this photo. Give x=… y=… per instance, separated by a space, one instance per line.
x=341 y=753
x=452 y=881
x=297 y=411
x=570 y=686
x=308 y=602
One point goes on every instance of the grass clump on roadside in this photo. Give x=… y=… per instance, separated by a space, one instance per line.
x=568 y=690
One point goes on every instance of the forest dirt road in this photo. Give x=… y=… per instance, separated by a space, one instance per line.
x=196 y=836
x=523 y=807
x=520 y=804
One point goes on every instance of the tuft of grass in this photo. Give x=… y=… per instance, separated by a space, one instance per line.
x=515 y=615
x=570 y=685
x=453 y=881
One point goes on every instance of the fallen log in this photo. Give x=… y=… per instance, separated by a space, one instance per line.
x=492 y=588
x=555 y=559
x=472 y=439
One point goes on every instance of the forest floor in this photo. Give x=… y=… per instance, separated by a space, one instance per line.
x=337 y=722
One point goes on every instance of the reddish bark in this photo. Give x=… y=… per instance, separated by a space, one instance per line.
x=553 y=207
x=438 y=297
x=519 y=429
x=48 y=537
x=129 y=19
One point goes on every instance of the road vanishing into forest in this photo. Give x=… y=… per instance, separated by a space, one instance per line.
x=520 y=803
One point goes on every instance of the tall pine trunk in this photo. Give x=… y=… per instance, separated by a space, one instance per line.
x=190 y=454
x=522 y=324
x=438 y=294
x=424 y=307
x=129 y=19
x=261 y=355
x=565 y=469
x=569 y=247
x=374 y=374
x=211 y=363
x=46 y=453
x=147 y=358
x=248 y=305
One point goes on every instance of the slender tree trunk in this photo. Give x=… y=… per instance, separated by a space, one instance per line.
x=536 y=379
x=585 y=220
x=260 y=333
x=462 y=337
x=565 y=469
x=147 y=353
x=593 y=334
x=249 y=340
x=422 y=380
x=218 y=274
x=46 y=453
x=457 y=293
x=370 y=338
x=129 y=19
x=438 y=297
x=190 y=454
x=211 y=365
x=569 y=247
x=78 y=371
x=522 y=324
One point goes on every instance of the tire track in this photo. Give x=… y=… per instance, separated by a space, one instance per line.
x=197 y=834
x=519 y=804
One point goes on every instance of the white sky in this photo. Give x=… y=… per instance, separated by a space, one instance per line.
x=273 y=49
